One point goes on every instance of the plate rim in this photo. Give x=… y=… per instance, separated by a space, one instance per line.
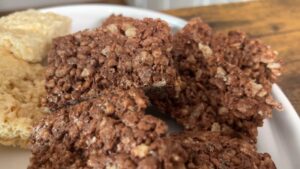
x=180 y=22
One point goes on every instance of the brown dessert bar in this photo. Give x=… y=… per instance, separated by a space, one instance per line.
x=226 y=81
x=162 y=154
x=113 y=123
x=191 y=150
x=212 y=150
x=135 y=54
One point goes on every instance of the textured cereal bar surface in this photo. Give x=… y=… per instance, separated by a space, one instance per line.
x=21 y=92
x=132 y=54
x=212 y=150
x=226 y=80
x=28 y=34
x=78 y=136
x=163 y=153
x=192 y=150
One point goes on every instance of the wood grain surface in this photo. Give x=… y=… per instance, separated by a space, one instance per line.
x=277 y=23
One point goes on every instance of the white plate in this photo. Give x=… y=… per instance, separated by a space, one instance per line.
x=280 y=136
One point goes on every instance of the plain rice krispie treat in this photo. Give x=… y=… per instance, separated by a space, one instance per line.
x=28 y=46
x=21 y=90
x=135 y=54
x=28 y=34
x=226 y=81
x=78 y=136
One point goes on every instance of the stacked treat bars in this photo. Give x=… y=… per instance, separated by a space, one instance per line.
x=100 y=82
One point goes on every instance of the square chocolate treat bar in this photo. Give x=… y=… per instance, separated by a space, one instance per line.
x=136 y=53
x=226 y=81
x=78 y=136
x=213 y=150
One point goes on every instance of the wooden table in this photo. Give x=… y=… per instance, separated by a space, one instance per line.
x=277 y=23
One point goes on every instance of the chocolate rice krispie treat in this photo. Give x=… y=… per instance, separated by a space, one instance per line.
x=191 y=150
x=113 y=132
x=226 y=81
x=113 y=123
x=163 y=153
x=212 y=150
x=135 y=54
